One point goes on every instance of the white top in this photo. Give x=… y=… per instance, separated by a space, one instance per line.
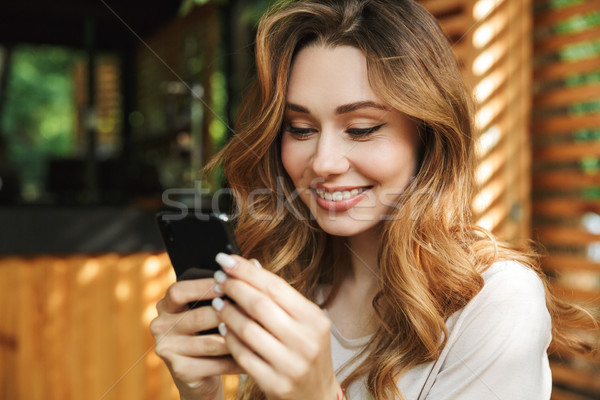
x=496 y=346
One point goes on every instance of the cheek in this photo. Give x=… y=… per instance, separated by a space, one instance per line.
x=390 y=165
x=293 y=158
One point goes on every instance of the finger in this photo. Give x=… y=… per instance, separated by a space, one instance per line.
x=189 y=369
x=179 y=294
x=258 y=306
x=247 y=359
x=255 y=337
x=272 y=285
x=199 y=346
x=185 y=322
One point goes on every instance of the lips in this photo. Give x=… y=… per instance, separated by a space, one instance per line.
x=339 y=198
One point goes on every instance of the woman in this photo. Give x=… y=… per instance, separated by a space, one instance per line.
x=352 y=171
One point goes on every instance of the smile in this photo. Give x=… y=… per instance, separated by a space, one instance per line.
x=342 y=199
x=339 y=195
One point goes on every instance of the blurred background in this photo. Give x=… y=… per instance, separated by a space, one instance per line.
x=108 y=110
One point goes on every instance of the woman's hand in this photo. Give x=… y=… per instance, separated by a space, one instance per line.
x=196 y=362
x=275 y=334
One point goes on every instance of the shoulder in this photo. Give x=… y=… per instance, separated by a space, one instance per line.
x=513 y=295
x=508 y=269
x=497 y=343
x=507 y=321
x=510 y=281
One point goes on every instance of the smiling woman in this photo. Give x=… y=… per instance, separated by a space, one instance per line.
x=374 y=283
x=349 y=156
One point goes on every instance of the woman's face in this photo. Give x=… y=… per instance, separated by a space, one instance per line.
x=349 y=155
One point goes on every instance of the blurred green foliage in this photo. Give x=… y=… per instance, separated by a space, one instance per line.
x=587 y=135
x=585 y=107
x=38 y=120
x=578 y=23
x=583 y=79
x=252 y=9
x=557 y=4
x=580 y=51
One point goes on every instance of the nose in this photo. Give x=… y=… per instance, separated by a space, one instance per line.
x=329 y=158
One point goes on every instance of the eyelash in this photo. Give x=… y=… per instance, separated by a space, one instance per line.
x=360 y=132
x=299 y=131
x=355 y=132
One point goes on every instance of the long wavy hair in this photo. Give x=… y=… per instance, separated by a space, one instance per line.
x=431 y=257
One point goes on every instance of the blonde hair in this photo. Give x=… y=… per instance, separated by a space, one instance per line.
x=431 y=258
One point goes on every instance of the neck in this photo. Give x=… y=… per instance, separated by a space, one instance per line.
x=363 y=252
x=351 y=310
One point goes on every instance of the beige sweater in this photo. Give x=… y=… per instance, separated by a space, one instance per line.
x=496 y=346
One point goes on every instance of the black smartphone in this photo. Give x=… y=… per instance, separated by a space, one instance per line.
x=192 y=241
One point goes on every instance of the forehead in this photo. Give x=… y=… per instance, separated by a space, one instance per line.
x=336 y=74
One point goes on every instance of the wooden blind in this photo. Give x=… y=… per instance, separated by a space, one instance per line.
x=490 y=40
x=566 y=166
x=498 y=44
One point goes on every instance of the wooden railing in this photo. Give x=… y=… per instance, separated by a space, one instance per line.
x=76 y=327
x=492 y=45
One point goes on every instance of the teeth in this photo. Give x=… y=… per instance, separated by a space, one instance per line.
x=338 y=196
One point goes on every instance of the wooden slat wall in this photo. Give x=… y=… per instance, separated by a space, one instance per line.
x=566 y=166
x=491 y=41
x=77 y=328
x=498 y=48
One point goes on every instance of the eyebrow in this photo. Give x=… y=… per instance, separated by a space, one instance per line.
x=343 y=109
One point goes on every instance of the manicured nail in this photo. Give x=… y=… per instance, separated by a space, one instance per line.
x=220 y=276
x=256 y=263
x=217 y=289
x=223 y=329
x=218 y=303
x=225 y=260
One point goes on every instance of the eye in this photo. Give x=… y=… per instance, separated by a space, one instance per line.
x=361 y=132
x=301 y=133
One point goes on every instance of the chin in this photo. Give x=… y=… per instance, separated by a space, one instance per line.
x=344 y=226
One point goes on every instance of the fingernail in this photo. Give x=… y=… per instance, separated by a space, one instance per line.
x=225 y=260
x=218 y=303
x=217 y=289
x=220 y=276
x=255 y=262
x=222 y=329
